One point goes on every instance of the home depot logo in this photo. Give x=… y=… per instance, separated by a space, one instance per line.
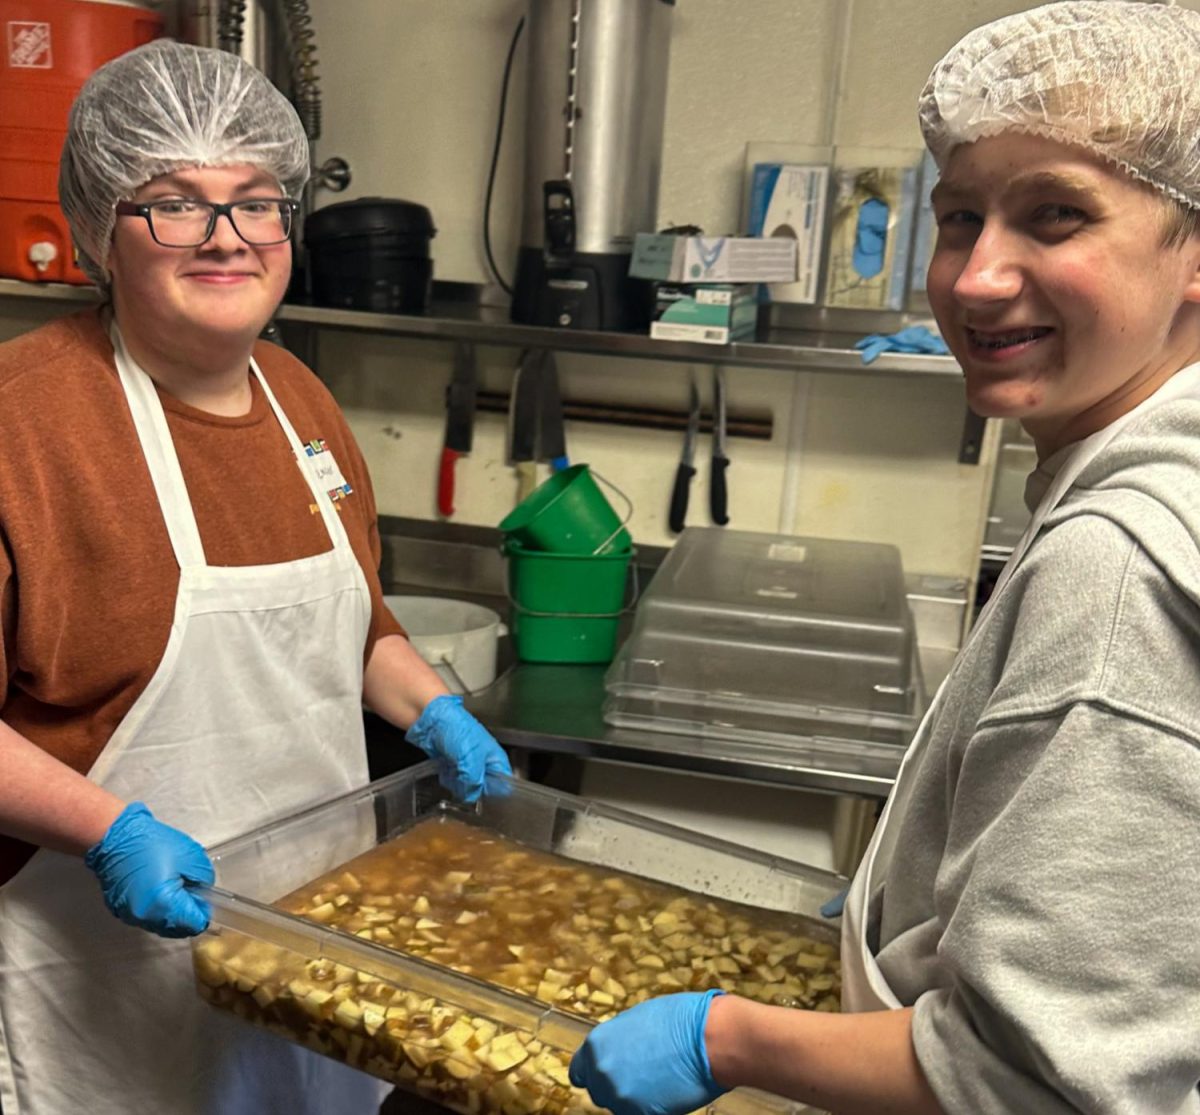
x=29 y=46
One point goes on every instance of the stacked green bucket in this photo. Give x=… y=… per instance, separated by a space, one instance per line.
x=568 y=564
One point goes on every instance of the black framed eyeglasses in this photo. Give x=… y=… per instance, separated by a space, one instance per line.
x=188 y=223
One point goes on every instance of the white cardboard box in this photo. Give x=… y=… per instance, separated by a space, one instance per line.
x=788 y=201
x=712 y=259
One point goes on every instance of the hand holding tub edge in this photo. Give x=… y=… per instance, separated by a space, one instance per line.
x=143 y=866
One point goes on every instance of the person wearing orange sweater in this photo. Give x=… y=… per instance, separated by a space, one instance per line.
x=190 y=610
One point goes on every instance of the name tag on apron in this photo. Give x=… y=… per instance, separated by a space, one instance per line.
x=324 y=469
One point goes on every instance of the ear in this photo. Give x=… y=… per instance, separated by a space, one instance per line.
x=1191 y=254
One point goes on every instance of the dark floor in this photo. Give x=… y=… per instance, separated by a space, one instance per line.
x=404 y=1103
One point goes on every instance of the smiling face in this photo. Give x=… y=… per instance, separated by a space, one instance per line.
x=222 y=292
x=1053 y=289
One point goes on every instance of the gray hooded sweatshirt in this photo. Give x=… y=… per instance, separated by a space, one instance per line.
x=1042 y=907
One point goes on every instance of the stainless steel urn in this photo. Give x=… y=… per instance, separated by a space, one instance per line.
x=593 y=148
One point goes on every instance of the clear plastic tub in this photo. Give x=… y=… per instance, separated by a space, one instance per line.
x=769 y=639
x=471 y=1045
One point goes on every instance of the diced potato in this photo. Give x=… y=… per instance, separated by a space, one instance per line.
x=315 y=1000
x=372 y=1018
x=209 y=970
x=348 y=1014
x=458 y=1035
x=417 y=1053
x=461 y=1065
x=664 y=923
x=506 y=1052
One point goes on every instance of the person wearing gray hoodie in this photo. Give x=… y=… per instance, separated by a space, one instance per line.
x=1022 y=933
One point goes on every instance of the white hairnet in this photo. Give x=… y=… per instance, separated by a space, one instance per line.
x=1118 y=78
x=160 y=108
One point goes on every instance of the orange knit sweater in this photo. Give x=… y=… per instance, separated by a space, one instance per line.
x=87 y=575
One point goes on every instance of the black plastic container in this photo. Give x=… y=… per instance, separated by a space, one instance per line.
x=371 y=254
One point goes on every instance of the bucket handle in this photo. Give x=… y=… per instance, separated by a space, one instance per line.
x=445 y=660
x=623 y=523
x=634 y=581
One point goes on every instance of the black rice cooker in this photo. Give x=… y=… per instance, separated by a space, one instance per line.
x=371 y=254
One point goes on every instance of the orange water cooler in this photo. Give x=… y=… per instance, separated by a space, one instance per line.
x=50 y=47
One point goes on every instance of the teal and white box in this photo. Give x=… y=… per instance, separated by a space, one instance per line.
x=710 y=313
x=712 y=259
x=788 y=201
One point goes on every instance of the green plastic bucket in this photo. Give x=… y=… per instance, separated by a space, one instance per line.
x=567 y=514
x=565 y=607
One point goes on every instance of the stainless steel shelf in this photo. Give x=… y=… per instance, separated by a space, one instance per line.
x=61 y=292
x=781 y=349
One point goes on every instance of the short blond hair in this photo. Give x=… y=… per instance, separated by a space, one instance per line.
x=1182 y=223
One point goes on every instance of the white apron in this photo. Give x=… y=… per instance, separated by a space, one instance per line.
x=863 y=984
x=255 y=711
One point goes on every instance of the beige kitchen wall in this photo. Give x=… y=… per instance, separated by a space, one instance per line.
x=411 y=90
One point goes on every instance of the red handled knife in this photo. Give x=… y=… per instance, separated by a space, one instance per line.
x=460 y=422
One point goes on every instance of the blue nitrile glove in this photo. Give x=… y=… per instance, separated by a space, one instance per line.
x=651 y=1060
x=834 y=907
x=464 y=749
x=914 y=338
x=142 y=865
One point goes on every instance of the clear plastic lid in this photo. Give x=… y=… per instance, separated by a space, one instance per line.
x=757 y=636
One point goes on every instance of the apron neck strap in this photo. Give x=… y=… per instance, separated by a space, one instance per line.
x=159 y=451
x=332 y=520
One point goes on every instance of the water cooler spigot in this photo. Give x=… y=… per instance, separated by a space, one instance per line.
x=42 y=254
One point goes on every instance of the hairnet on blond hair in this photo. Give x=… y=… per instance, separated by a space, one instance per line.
x=160 y=108
x=1118 y=78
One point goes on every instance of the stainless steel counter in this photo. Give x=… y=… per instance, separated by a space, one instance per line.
x=558 y=708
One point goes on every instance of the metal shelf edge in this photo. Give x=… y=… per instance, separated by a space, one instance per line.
x=747 y=354
x=752 y=354
x=55 y=292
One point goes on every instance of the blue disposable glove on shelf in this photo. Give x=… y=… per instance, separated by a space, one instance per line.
x=142 y=865
x=651 y=1060
x=834 y=907
x=915 y=338
x=464 y=749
